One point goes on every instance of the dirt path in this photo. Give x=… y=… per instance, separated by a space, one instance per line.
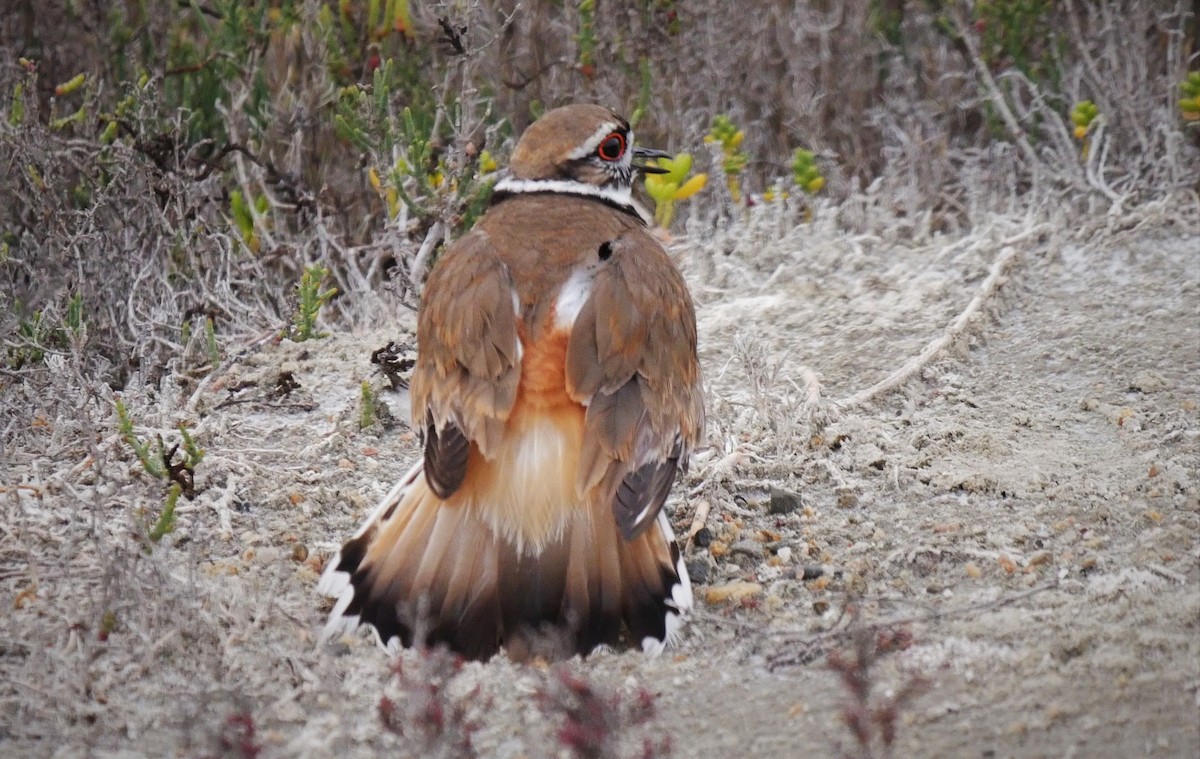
x=1024 y=513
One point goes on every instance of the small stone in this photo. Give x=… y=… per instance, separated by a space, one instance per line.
x=973 y=571
x=698 y=570
x=784 y=554
x=702 y=538
x=869 y=456
x=783 y=502
x=732 y=592
x=1148 y=381
x=1039 y=558
x=812 y=572
x=820 y=607
x=747 y=548
x=299 y=552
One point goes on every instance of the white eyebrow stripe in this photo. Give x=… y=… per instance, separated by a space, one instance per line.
x=590 y=144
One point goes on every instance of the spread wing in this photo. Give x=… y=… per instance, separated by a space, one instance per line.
x=468 y=359
x=631 y=359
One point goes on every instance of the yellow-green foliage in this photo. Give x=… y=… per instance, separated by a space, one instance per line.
x=310 y=298
x=245 y=217
x=672 y=186
x=805 y=172
x=366 y=411
x=1189 y=104
x=166 y=518
x=726 y=134
x=1082 y=116
x=152 y=462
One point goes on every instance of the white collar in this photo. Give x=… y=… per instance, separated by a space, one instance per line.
x=620 y=197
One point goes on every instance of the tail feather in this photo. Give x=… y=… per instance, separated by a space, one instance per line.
x=427 y=570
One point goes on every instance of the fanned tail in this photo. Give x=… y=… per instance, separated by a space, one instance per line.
x=426 y=570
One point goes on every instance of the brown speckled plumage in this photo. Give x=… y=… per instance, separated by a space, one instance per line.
x=558 y=383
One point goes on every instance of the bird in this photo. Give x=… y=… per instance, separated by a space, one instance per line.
x=558 y=392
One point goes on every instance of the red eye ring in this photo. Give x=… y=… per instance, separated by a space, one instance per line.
x=612 y=147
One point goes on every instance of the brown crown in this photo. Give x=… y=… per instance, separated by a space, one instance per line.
x=544 y=150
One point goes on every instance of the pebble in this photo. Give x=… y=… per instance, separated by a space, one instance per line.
x=747 y=548
x=1148 y=381
x=1039 y=558
x=732 y=592
x=698 y=570
x=869 y=456
x=783 y=502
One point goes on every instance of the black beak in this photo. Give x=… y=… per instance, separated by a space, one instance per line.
x=641 y=155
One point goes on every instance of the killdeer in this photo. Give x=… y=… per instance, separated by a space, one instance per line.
x=560 y=394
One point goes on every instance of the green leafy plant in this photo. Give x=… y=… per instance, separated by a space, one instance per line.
x=245 y=215
x=646 y=81
x=159 y=461
x=726 y=134
x=1189 y=104
x=366 y=413
x=210 y=342
x=16 y=109
x=38 y=334
x=408 y=171
x=310 y=298
x=805 y=172
x=151 y=461
x=212 y=348
x=207 y=54
x=1020 y=35
x=33 y=339
x=1082 y=116
x=165 y=523
x=586 y=38
x=675 y=185
x=108 y=625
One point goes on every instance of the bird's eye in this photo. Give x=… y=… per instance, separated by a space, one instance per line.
x=612 y=148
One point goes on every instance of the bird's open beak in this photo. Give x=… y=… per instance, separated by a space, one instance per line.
x=641 y=155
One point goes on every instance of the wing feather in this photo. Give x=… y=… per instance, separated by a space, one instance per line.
x=468 y=359
x=631 y=359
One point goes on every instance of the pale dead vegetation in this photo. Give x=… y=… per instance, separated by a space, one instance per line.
x=955 y=395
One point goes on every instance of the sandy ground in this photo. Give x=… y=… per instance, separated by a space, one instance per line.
x=1021 y=516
